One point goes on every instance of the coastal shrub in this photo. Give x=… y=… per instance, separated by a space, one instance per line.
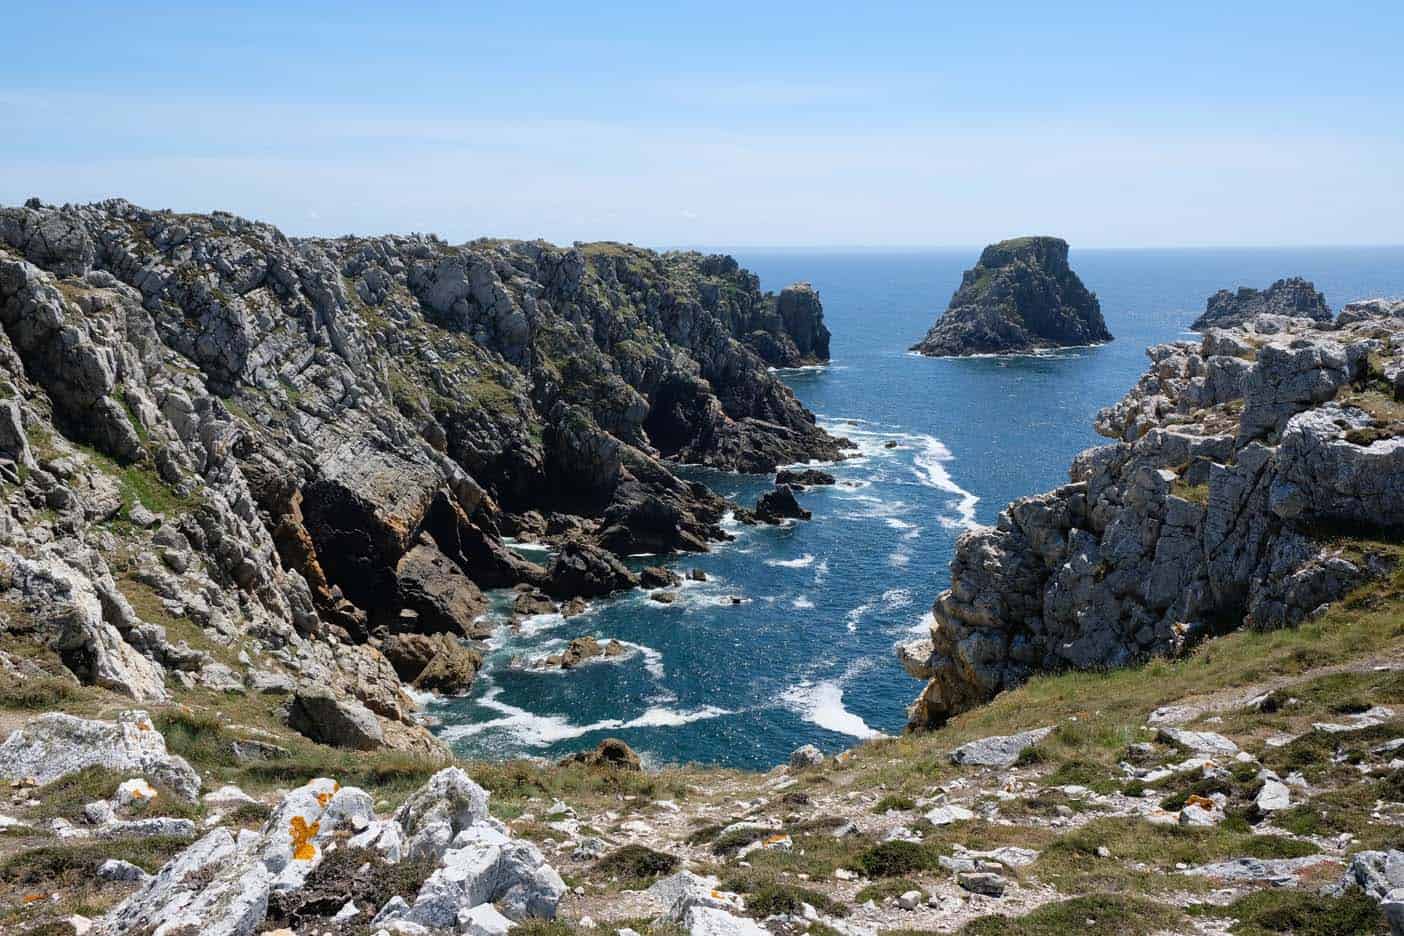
x=37 y=693
x=1304 y=913
x=53 y=866
x=894 y=859
x=737 y=839
x=637 y=863
x=1118 y=914
x=892 y=802
x=773 y=899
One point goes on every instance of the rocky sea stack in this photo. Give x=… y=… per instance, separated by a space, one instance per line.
x=1293 y=296
x=1020 y=296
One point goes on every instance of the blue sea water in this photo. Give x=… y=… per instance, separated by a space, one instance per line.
x=808 y=656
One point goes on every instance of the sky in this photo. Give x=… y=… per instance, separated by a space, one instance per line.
x=743 y=124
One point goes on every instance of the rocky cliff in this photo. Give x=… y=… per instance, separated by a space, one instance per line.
x=1293 y=297
x=235 y=461
x=1020 y=296
x=1236 y=459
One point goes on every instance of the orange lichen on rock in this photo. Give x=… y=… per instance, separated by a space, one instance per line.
x=302 y=847
x=1204 y=802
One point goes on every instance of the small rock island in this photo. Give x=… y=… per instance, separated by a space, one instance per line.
x=1293 y=297
x=1020 y=296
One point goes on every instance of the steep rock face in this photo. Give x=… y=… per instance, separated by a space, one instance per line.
x=1293 y=297
x=299 y=448
x=1020 y=296
x=1230 y=457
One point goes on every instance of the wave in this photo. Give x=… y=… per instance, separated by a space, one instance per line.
x=899 y=559
x=930 y=468
x=806 y=560
x=856 y=615
x=802 y=603
x=895 y=598
x=822 y=704
x=535 y=730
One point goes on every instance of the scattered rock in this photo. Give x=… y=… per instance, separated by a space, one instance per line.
x=805 y=757
x=611 y=752
x=1000 y=750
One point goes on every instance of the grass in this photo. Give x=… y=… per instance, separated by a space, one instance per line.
x=1195 y=493
x=70 y=869
x=1270 y=912
x=1346 y=810
x=66 y=796
x=1119 y=914
x=1072 y=864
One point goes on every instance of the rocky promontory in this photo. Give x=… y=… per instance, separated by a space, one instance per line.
x=1235 y=460
x=237 y=462
x=1021 y=296
x=1293 y=297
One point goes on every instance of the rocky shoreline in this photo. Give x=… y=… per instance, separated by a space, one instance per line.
x=248 y=463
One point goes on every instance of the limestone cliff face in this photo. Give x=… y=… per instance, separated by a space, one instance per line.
x=1020 y=296
x=304 y=447
x=1232 y=458
x=1293 y=296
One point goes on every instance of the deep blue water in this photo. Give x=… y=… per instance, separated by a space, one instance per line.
x=808 y=656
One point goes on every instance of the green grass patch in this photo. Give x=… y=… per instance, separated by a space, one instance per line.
x=637 y=863
x=894 y=803
x=889 y=889
x=1300 y=913
x=1111 y=914
x=896 y=859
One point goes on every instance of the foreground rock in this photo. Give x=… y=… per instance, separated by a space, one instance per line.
x=56 y=745
x=1020 y=296
x=222 y=884
x=1293 y=297
x=1229 y=456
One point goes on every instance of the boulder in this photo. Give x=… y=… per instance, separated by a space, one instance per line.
x=803 y=477
x=330 y=719
x=805 y=757
x=55 y=745
x=579 y=569
x=611 y=752
x=998 y=750
x=778 y=505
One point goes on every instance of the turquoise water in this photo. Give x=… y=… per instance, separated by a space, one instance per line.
x=807 y=658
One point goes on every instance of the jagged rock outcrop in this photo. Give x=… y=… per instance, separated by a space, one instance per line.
x=1234 y=457
x=230 y=884
x=1020 y=296
x=1293 y=297
x=305 y=447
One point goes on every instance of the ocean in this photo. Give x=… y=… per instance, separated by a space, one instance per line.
x=807 y=657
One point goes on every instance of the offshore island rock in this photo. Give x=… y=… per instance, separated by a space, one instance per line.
x=1020 y=296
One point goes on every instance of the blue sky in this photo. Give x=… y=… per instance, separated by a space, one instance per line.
x=777 y=124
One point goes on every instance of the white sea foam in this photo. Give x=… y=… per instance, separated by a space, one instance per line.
x=806 y=560
x=420 y=697
x=542 y=730
x=895 y=598
x=899 y=559
x=821 y=571
x=652 y=659
x=931 y=469
x=803 y=603
x=856 y=615
x=822 y=704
